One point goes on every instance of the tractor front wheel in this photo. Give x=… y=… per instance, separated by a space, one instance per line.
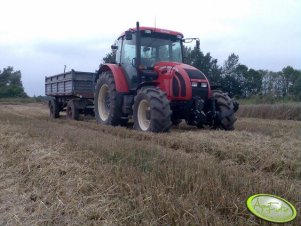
x=151 y=110
x=226 y=108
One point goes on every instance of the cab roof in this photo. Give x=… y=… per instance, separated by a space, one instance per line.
x=155 y=29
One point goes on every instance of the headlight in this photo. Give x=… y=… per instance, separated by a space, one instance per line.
x=194 y=84
x=204 y=85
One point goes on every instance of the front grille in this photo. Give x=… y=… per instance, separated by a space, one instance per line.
x=200 y=92
x=195 y=74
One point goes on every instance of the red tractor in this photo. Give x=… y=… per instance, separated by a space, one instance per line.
x=150 y=84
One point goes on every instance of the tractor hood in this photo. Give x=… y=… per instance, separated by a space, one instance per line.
x=192 y=72
x=182 y=81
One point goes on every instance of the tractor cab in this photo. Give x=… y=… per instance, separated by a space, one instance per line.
x=138 y=50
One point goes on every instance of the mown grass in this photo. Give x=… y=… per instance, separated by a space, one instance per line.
x=57 y=172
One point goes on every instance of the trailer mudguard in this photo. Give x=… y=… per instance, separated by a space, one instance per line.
x=119 y=76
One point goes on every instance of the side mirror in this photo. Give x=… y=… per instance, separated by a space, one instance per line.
x=114 y=47
x=187 y=40
x=198 y=44
x=128 y=35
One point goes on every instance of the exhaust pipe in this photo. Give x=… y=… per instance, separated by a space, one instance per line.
x=138 y=52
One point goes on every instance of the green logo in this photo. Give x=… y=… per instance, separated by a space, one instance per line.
x=271 y=208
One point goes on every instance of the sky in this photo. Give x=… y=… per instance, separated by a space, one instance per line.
x=39 y=37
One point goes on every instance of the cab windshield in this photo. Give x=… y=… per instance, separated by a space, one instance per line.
x=155 y=47
x=159 y=47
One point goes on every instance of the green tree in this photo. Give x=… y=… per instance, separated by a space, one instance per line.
x=240 y=74
x=290 y=75
x=253 y=82
x=110 y=58
x=11 y=84
x=232 y=86
x=233 y=76
x=239 y=80
x=187 y=55
x=230 y=65
x=205 y=63
x=296 y=89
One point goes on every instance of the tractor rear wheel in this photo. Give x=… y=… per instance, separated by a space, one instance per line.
x=226 y=108
x=54 y=110
x=72 y=112
x=151 y=110
x=107 y=102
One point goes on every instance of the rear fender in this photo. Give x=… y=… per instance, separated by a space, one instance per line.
x=119 y=76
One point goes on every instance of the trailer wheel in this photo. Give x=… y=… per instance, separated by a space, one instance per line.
x=107 y=102
x=226 y=107
x=72 y=112
x=151 y=110
x=54 y=110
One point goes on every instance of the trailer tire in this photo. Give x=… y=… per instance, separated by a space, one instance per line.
x=72 y=111
x=151 y=110
x=54 y=111
x=224 y=104
x=107 y=102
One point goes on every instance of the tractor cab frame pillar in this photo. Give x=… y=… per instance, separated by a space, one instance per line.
x=138 y=53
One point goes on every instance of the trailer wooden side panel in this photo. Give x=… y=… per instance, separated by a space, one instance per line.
x=72 y=83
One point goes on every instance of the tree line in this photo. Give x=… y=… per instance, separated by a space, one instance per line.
x=11 y=84
x=243 y=82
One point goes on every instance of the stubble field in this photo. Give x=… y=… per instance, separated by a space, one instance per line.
x=60 y=172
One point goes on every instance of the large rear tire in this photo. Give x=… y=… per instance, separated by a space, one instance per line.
x=226 y=107
x=151 y=110
x=107 y=102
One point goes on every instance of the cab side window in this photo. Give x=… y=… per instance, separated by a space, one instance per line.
x=118 y=52
x=128 y=53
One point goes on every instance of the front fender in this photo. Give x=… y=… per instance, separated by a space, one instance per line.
x=119 y=76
